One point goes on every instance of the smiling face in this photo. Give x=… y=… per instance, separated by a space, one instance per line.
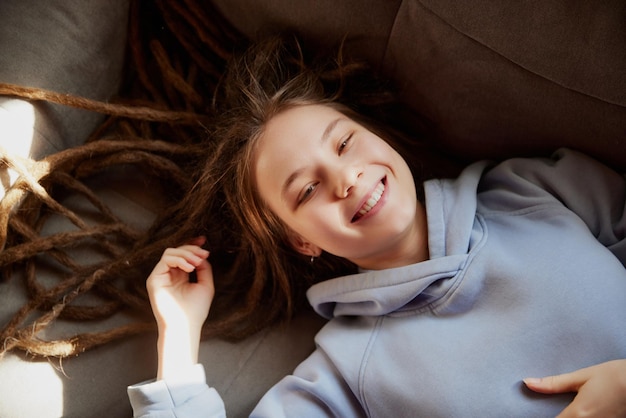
x=340 y=188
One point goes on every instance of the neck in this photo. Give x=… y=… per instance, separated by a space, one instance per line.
x=412 y=247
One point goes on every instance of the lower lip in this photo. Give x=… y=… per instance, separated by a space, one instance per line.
x=378 y=206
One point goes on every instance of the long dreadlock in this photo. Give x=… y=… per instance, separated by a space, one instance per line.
x=163 y=124
x=176 y=53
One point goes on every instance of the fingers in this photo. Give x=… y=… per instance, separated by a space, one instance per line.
x=567 y=382
x=186 y=258
x=601 y=389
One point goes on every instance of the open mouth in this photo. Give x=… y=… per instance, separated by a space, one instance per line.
x=371 y=202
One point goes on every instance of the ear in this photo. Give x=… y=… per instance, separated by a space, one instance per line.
x=301 y=245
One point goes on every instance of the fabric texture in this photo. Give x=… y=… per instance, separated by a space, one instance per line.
x=362 y=25
x=74 y=47
x=496 y=79
x=526 y=277
x=500 y=79
x=171 y=398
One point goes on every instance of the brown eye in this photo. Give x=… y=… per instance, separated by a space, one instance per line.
x=344 y=144
x=307 y=192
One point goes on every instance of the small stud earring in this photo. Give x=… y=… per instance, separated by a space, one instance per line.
x=312 y=259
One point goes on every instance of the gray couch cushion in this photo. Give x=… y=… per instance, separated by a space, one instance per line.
x=69 y=46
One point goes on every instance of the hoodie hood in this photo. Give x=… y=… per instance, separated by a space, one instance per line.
x=451 y=212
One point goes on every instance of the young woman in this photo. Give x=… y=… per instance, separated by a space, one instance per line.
x=507 y=271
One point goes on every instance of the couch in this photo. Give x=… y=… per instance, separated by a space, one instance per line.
x=496 y=79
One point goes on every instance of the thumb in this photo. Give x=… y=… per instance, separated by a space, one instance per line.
x=567 y=382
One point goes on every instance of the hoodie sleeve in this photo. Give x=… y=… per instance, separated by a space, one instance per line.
x=190 y=397
x=593 y=191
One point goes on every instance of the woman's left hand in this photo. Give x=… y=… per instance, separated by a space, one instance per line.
x=601 y=390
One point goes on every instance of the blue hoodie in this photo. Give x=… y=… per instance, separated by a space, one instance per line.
x=525 y=278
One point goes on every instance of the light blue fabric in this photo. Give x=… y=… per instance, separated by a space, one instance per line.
x=186 y=397
x=523 y=281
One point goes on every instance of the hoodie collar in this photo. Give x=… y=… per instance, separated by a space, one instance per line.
x=450 y=209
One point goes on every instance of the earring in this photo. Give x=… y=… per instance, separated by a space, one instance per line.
x=312 y=259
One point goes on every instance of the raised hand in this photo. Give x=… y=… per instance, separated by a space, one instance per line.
x=180 y=306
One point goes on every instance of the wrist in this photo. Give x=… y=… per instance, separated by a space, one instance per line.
x=177 y=350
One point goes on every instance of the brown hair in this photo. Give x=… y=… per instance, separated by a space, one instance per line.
x=194 y=130
x=156 y=127
x=270 y=77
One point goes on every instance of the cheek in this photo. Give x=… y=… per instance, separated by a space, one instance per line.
x=311 y=224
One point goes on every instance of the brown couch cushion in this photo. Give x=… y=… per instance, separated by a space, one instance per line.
x=508 y=79
x=497 y=79
x=323 y=23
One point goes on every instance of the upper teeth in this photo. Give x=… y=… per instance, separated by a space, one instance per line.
x=374 y=198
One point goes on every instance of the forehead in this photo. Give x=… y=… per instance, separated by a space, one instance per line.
x=288 y=140
x=293 y=130
x=302 y=121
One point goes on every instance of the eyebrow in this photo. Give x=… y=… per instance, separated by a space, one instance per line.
x=325 y=135
x=329 y=129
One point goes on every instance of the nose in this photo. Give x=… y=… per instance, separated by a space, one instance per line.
x=345 y=180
